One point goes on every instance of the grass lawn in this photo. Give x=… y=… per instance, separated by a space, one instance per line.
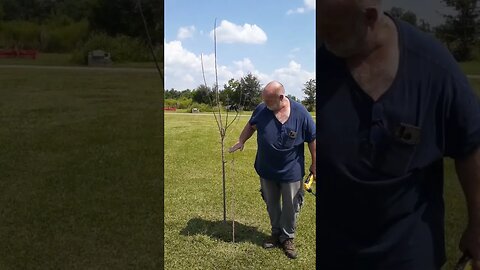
x=81 y=170
x=195 y=236
x=471 y=67
x=455 y=206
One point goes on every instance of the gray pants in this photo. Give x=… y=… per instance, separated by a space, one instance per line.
x=283 y=213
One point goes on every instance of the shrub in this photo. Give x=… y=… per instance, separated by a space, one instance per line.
x=122 y=48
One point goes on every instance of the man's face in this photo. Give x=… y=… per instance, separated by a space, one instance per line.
x=272 y=101
x=341 y=27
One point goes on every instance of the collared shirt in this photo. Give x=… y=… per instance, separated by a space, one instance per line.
x=380 y=163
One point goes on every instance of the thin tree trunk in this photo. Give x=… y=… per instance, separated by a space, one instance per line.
x=223 y=178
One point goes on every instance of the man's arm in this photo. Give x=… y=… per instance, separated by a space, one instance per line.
x=468 y=171
x=247 y=132
x=312 y=146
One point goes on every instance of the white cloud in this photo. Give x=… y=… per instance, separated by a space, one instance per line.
x=298 y=10
x=308 y=6
x=229 y=32
x=245 y=64
x=183 y=71
x=293 y=77
x=186 y=32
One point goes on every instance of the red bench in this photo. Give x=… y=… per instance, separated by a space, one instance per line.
x=18 y=54
x=170 y=109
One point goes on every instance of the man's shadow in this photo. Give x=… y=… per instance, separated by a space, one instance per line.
x=223 y=231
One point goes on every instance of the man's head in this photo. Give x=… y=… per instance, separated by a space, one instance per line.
x=273 y=96
x=347 y=26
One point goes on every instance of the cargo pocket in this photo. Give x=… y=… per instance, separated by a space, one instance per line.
x=298 y=200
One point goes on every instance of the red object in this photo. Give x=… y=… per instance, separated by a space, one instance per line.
x=18 y=54
x=170 y=109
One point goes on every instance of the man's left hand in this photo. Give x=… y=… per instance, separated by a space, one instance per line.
x=313 y=170
x=470 y=244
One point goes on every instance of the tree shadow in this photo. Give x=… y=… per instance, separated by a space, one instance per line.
x=223 y=231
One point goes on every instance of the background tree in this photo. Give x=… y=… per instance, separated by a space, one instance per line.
x=251 y=89
x=424 y=26
x=310 y=91
x=294 y=98
x=407 y=16
x=460 y=31
x=230 y=95
x=122 y=17
x=202 y=94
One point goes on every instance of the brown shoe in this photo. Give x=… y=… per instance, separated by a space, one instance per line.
x=289 y=249
x=272 y=241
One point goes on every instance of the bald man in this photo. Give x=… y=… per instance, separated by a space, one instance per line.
x=392 y=103
x=283 y=127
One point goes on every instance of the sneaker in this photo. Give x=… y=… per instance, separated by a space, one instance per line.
x=289 y=249
x=272 y=241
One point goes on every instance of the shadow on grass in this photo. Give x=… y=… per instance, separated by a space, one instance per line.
x=223 y=231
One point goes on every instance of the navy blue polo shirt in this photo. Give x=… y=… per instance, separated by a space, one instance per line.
x=280 y=154
x=380 y=163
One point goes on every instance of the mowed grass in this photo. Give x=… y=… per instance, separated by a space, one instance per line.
x=195 y=235
x=81 y=158
x=455 y=206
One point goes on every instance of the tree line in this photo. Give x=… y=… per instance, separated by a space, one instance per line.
x=459 y=32
x=67 y=25
x=244 y=93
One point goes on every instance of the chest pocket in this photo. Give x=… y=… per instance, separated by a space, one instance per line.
x=395 y=155
x=288 y=137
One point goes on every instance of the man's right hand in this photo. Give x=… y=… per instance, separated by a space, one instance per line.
x=237 y=146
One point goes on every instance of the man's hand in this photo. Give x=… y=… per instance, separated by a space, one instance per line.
x=470 y=244
x=313 y=170
x=237 y=146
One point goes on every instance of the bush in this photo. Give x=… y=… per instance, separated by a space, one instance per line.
x=122 y=48
x=169 y=103
x=57 y=35
x=184 y=103
x=63 y=38
x=19 y=34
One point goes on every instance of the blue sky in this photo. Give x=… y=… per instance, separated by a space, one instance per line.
x=275 y=40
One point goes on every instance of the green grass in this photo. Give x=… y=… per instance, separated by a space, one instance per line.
x=471 y=67
x=195 y=236
x=81 y=170
x=43 y=59
x=455 y=206
x=455 y=214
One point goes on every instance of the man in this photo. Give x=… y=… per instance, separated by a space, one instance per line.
x=283 y=127
x=392 y=102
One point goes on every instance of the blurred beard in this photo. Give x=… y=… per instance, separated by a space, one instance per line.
x=349 y=47
x=274 y=108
